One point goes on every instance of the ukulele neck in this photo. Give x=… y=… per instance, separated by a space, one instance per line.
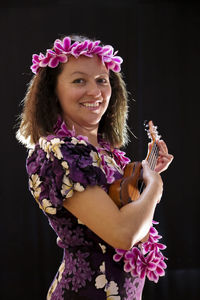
x=153 y=156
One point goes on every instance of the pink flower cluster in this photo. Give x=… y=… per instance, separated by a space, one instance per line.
x=63 y=49
x=120 y=155
x=145 y=261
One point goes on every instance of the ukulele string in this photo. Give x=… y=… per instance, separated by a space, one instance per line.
x=153 y=156
x=152 y=160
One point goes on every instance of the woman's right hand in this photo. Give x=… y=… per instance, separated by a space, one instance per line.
x=152 y=179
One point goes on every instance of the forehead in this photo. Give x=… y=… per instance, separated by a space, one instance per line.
x=83 y=64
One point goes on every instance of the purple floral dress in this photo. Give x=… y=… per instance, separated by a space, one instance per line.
x=91 y=269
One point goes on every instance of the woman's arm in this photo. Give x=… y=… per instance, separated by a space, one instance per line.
x=121 y=228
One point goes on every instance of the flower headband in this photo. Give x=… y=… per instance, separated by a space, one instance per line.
x=63 y=49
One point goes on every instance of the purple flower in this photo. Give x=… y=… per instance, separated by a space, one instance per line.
x=34 y=161
x=80 y=164
x=133 y=287
x=71 y=263
x=78 y=269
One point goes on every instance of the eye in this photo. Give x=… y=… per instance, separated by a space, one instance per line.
x=79 y=80
x=103 y=80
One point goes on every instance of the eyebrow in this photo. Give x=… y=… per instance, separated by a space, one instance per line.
x=77 y=72
x=82 y=73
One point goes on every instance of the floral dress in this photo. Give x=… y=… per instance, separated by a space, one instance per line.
x=91 y=269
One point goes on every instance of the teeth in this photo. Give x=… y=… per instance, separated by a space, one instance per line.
x=91 y=104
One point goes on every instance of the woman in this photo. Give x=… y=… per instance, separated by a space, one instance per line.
x=74 y=119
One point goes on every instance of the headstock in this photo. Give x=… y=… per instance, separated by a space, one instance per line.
x=152 y=131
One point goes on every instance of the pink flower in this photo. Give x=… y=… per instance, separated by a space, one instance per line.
x=62 y=46
x=63 y=49
x=121 y=157
x=152 y=265
x=119 y=254
x=152 y=243
x=146 y=259
x=131 y=260
x=155 y=266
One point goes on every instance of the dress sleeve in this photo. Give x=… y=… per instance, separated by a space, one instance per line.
x=57 y=168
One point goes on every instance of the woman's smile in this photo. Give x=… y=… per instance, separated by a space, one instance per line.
x=93 y=106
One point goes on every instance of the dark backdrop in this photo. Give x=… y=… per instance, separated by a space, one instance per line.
x=159 y=41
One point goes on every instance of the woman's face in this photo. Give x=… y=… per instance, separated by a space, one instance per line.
x=83 y=89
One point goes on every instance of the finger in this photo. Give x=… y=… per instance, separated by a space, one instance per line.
x=145 y=165
x=162 y=153
x=162 y=166
x=162 y=146
x=164 y=160
x=167 y=156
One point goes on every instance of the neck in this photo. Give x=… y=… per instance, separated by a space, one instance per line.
x=90 y=131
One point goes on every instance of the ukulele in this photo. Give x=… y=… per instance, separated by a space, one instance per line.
x=131 y=185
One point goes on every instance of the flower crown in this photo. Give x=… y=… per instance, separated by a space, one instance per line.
x=63 y=49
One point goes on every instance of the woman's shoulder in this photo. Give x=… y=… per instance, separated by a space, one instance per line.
x=73 y=153
x=53 y=144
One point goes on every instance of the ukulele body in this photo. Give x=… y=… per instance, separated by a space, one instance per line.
x=126 y=189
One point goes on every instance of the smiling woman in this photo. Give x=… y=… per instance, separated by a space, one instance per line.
x=41 y=105
x=74 y=121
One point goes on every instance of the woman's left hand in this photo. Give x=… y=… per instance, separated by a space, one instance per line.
x=164 y=158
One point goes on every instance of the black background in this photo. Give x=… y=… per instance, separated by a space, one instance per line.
x=159 y=42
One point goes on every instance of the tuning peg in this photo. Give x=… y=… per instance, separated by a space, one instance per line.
x=146 y=124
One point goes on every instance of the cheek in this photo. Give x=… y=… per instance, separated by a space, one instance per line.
x=68 y=95
x=60 y=93
x=107 y=94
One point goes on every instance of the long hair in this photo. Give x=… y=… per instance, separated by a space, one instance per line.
x=41 y=108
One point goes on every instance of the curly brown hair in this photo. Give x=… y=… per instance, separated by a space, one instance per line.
x=41 y=108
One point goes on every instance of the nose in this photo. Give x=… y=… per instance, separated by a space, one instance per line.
x=93 y=90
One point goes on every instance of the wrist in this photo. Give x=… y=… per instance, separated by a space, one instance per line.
x=155 y=188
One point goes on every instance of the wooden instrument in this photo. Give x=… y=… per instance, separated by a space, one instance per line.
x=130 y=186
